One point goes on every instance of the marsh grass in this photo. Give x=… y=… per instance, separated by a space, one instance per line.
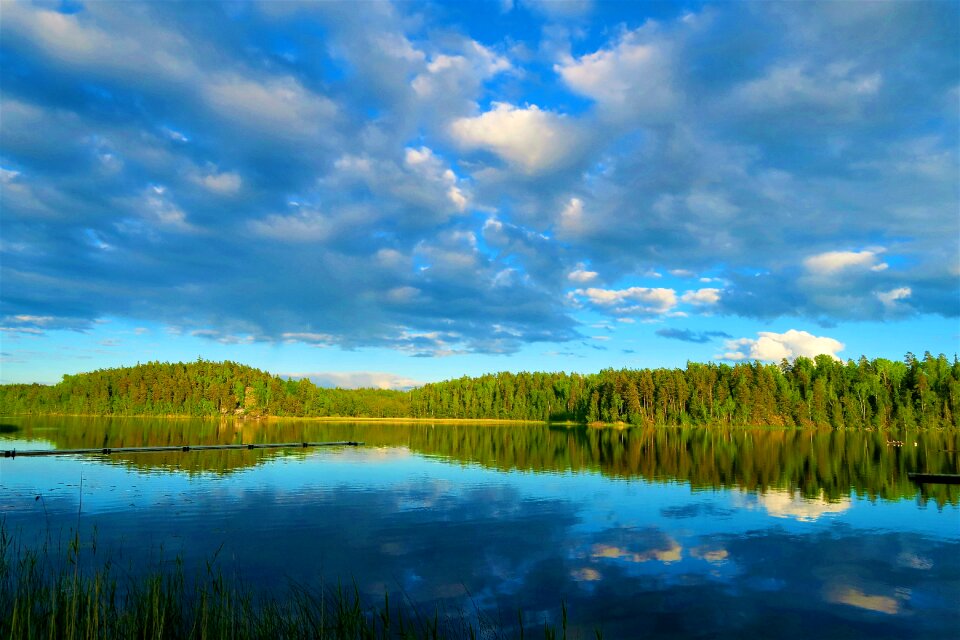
x=51 y=595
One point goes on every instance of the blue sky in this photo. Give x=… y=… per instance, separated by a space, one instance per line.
x=384 y=194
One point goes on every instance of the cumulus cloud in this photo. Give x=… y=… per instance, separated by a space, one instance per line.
x=398 y=191
x=632 y=79
x=774 y=347
x=429 y=167
x=572 y=219
x=279 y=106
x=449 y=75
x=640 y=300
x=632 y=300
x=837 y=88
x=225 y=183
x=832 y=262
x=889 y=298
x=306 y=225
x=701 y=297
x=528 y=138
x=581 y=274
x=158 y=207
x=416 y=189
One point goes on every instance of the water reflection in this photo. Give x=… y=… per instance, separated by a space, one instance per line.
x=659 y=533
x=820 y=465
x=789 y=504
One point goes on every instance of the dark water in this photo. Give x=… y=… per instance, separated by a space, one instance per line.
x=642 y=533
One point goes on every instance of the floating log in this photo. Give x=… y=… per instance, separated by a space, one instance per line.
x=935 y=478
x=13 y=453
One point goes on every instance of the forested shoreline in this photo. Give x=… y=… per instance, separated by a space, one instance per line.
x=880 y=393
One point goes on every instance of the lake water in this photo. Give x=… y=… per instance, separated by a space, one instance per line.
x=641 y=532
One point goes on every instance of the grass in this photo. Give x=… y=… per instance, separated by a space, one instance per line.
x=48 y=595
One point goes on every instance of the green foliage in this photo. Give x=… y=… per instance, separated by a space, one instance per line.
x=805 y=393
x=881 y=393
x=200 y=388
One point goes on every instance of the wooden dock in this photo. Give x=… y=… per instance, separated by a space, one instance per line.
x=13 y=453
x=935 y=478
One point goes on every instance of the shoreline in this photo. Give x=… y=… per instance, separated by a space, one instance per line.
x=619 y=426
x=299 y=418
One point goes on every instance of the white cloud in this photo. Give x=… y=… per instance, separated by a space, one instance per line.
x=26 y=330
x=833 y=87
x=392 y=259
x=455 y=195
x=528 y=138
x=355 y=164
x=418 y=157
x=571 y=218
x=72 y=41
x=632 y=79
x=175 y=135
x=482 y=58
x=890 y=298
x=317 y=339
x=223 y=338
x=28 y=319
x=581 y=275
x=832 y=262
x=397 y=46
x=711 y=205
x=451 y=82
x=280 y=106
x=701 y=297
x=403 y=295
x=307 y=225
x=226 y=183
x=430 y=168
x=777 y=346
x=157 y=206
x=631 y=300
x=119 y=46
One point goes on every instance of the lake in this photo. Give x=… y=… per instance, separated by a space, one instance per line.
x=640 y=532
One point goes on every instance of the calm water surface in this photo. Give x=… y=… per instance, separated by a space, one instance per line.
x=643 y=532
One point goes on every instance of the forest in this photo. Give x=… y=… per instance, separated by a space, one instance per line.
x=823 y=392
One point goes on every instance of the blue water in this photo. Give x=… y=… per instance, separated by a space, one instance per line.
x=630 y=556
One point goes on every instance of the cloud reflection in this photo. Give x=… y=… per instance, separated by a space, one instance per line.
x=781 y=503
x=857 y=598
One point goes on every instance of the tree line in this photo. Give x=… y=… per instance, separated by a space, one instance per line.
x=200 y=388
x=917 y=392
x=880 y=393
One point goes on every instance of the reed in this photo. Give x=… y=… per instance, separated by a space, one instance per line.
x=48 y=595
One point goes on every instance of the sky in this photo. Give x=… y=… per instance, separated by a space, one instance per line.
x=386 y=194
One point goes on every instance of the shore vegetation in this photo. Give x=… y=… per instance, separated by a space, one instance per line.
x=918 y=392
